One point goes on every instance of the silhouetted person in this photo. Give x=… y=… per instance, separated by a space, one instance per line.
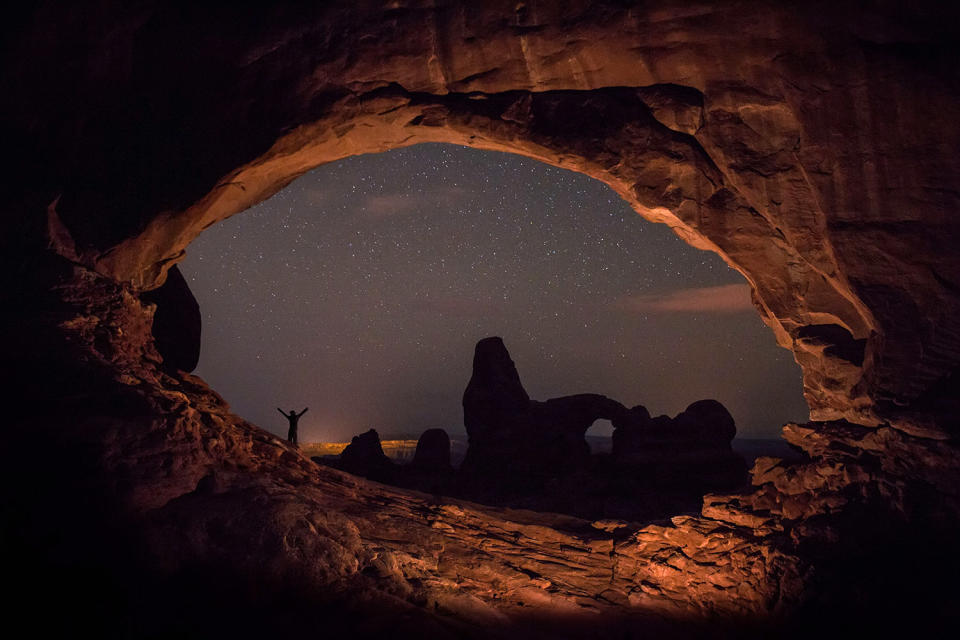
x=293 y=417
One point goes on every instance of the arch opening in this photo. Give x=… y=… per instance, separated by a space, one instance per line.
x=648 y=156
x=600 y=436
x=435 y=247
x=360 y=289
x=663 y=173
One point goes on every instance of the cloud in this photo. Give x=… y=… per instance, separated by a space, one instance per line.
x=728 y=298
x=462 y=306
x=384 y=205
x=390 y=204
x=316 y=197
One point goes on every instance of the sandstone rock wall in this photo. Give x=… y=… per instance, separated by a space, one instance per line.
x=812 y=149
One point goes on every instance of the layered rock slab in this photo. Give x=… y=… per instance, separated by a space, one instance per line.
x=195 y=491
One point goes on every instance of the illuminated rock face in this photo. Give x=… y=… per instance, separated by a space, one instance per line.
x=814 y=150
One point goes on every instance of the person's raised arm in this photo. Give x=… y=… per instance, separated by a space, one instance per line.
x=282 y=413
x=303 y=412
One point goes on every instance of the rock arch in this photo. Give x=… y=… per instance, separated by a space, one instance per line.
x=784 y=139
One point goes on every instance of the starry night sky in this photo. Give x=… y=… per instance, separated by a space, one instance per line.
x=361 y=289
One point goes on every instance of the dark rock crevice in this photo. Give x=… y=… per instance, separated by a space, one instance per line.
x=176 y=322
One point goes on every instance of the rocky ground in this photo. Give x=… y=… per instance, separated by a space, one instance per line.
x=167 y=487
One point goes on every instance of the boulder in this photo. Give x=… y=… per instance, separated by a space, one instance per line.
x=691 y=450
x=364 y=456
x=707 y=422
x=433 y=452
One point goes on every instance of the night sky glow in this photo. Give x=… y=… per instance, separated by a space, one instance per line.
x=361 y=289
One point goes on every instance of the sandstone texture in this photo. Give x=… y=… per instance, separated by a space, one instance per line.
x=811 y=145
x=755 y=131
